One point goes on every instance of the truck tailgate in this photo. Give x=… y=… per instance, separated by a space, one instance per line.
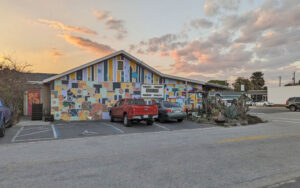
x=145 y=110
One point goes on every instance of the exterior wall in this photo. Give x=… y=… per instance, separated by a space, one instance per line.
x=88 y=100
x=279 y=95
x=89 y=93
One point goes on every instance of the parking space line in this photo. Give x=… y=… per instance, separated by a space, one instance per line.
x=55 y=131
x=160 y=126
x=286 y=121
x=115 y=128
x=17 y=134
x=33 y=133
x=33 y=139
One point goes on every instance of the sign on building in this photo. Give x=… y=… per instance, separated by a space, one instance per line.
x=152 y=91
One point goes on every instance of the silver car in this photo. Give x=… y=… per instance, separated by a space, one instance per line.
x=170 y=111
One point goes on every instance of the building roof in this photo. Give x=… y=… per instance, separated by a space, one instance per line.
x=37 y=76
x=226 y=93
x=139 y=62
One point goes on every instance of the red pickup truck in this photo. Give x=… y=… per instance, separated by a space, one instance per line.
x=133 y=110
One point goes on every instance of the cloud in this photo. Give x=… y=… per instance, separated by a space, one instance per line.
x=161 y=44
x=211 y=8
x=229 y=4
x=101 y=15
x=201 y=23
x=66 y=28
x=118 y=26
x=56 y=52
x=113 y=24
x=88 y=45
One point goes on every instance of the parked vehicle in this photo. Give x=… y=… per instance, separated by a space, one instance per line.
x=133 y=110
x=169 y=111
x=5 y=118
x=293 y=103
x=263 y=103
x=249 y=103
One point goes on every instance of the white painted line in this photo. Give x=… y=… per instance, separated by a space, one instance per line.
x=32 y=133
x=286 y=121
x=115 y=128
x=33 y=139
x=54 y=131
x=17 y=134
x=163 y=127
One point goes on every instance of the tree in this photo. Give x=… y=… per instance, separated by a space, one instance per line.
x=12 y=83
x=257 y=80
x=219 y=82
x=241 y=81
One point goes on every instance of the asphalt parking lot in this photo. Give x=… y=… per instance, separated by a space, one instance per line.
x=65 y=130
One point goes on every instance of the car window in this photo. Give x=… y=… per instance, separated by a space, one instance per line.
x=171 y=105
x=135 y=102
x=297 y=99
x=291 y=99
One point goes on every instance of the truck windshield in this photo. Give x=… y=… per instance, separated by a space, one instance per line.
x=135 y=102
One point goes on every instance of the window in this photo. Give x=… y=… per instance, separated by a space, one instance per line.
x=79 y=75
x=291 y=99
x=171 y=105
x=120 y=65
x=135 y=102
x=297 y=99
x=121 y=102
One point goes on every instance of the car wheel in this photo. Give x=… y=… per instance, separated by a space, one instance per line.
x=149 y=122
x=179 y=120
x=126 y=121
x=161 y=119
x=293 y=108
x=2 y=130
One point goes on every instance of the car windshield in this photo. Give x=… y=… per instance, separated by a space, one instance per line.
x=171 y=105
x=135 y=102
x=291 y=99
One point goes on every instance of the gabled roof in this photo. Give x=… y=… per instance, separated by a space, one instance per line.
x=139 y=62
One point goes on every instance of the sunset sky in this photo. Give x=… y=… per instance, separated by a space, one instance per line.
x=213 y=39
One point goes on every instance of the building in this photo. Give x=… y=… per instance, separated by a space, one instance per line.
x=279 y=95
x=258 y=95
x=35 y=91
x=87 y=92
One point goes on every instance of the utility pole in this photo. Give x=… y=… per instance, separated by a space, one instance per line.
x=294 y=78
x=279 y=81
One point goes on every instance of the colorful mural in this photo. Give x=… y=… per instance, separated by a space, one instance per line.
x=88 y=94
x=33 y=97
x=88 y=100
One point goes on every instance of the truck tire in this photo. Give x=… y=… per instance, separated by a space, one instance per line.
x=161 y=119
x=112 y=119
x=126 y=121
x=149 y=122
x=179 y=120
x=2 y=130
x=293 y=108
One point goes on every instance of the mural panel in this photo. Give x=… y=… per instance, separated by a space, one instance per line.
x=88 y=100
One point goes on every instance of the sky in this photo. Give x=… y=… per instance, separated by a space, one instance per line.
x=198 y=39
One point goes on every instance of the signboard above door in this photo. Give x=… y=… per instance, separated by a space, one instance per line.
x=152 y=91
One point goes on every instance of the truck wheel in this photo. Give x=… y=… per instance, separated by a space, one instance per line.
x=112 y=119
x=179 y=120
x=293 y=108
x=149 y=122
x=126 y=121
x=2 y=129
x=161 y=119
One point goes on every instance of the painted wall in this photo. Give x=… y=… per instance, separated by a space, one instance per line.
x=88 y=100
x=279 y=95
x=89 y=93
